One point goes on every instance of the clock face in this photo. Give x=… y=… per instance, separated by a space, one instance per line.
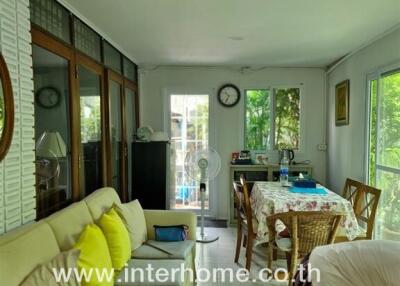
x=48 y=97
x=229 y=95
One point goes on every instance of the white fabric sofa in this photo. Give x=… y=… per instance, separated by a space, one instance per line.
x=358 y=263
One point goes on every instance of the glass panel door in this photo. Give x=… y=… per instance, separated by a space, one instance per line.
x=91 y=163
x=189 y=131
x=52 y=131
x=130 y=114
x=384 y=152
x=115 y=134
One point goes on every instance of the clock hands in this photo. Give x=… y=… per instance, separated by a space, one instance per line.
x=227 y=98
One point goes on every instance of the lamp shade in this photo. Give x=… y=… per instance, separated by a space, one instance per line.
x=50 y=145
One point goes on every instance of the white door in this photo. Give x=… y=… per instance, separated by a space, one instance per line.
x=188 y=124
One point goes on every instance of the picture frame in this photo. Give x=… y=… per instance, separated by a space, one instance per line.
x=342 y=102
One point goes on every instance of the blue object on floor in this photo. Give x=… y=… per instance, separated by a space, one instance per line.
x=315 y=191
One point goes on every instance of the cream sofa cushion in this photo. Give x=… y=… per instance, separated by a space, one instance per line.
x=23 y=250
x=133 y=217
x=356 y=263
x=101 y=201
x=44 y=275
x=164 y=250
x=69 y=223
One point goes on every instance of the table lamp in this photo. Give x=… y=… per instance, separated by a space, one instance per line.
x=49 y=148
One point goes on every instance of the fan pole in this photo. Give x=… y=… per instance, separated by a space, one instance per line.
x=203 y=237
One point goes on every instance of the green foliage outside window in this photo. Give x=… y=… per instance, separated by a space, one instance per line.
x=372 y=130
x=384 y=150
x=389 y=122
x=90 y=118
x=257 y=119
x=286 y=120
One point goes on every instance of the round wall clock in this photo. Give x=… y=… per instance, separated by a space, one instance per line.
x=48 y=97
x=228 y=95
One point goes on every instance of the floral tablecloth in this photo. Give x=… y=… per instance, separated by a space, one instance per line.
x=270 y=198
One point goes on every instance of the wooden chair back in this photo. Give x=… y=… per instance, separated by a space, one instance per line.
x=246 y=193
x=366 y=202
x=350 y=190
x=242 y=200
x=307 y=229
x=238 y=196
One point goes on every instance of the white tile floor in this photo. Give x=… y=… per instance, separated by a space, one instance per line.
x=220 y=254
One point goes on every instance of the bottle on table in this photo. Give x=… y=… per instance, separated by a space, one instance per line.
x=284 y=170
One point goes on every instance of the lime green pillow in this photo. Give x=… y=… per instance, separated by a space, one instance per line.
x=94 y=255
x=117 y=237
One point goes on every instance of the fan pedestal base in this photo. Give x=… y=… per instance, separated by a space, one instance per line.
x=205 y=238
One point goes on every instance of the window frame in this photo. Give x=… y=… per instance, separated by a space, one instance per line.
x=375 y=75
x=270 y=148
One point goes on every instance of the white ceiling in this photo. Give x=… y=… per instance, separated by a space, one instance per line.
x=240 y=32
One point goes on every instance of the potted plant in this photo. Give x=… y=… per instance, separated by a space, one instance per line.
x=391 y=220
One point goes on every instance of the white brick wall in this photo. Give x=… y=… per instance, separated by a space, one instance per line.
x=17 y=191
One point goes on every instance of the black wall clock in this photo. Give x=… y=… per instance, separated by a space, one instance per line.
x=229 y=95
x=48 y=97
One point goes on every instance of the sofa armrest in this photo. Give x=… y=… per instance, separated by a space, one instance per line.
x=167 y=217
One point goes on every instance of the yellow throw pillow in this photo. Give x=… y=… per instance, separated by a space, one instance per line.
x=117 y=237
x=132 y=215
x=95 y=257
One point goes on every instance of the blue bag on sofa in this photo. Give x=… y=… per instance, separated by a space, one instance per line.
x=171 y=233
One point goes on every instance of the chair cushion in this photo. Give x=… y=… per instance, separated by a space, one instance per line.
x=94 y=254
x=101 y=201
x=142 y=264
x=178 y=250
x=24 y=249
x=69 y=223
x=342 y=232
x=284 y=243
x=133 y=217
x=117 y=238
x=44 y=275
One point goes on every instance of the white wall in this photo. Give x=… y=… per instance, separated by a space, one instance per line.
x=229 y=122
x=17 y=191
x=346 y=144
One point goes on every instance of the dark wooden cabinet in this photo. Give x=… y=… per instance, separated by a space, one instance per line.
x=150 y=174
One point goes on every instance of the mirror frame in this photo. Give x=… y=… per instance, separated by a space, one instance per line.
x=8 y=97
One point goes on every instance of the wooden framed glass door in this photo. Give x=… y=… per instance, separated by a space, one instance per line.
x=131 y=124
x=116 y=139
x=98 y=110
x=92 y=123
x=56 y=177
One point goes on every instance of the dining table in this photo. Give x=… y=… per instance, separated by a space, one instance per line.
x=268 y=198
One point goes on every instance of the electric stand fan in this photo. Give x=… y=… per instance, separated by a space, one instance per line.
x=202 y=166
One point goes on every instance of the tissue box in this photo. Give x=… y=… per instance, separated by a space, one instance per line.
x=305 y=184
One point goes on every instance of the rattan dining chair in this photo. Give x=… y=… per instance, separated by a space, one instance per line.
x=246 y=224
x=307 y=231
x=365 y=205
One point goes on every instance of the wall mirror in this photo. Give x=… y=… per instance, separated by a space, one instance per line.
x=6 y=109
